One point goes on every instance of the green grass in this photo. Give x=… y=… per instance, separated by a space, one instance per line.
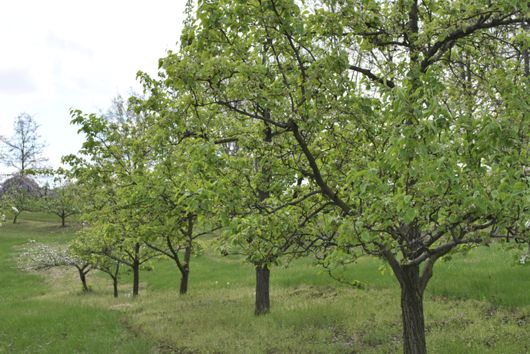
x=40 y=216
x=476 y=303
x=33 y=320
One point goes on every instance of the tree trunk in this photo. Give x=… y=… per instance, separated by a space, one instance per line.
x=82 y=276
x=263 y=305
x=185 y=271
x=63 y=220
x=262 y=290
x=115 y=278
x=136 y=269
x=136 y=278
x=184 y=281
x=115 y=286
x=412 y=311
x=15 y=219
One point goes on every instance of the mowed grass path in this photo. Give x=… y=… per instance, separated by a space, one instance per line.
x=479 y=303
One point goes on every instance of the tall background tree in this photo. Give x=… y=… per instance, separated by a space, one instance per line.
x=24 y=150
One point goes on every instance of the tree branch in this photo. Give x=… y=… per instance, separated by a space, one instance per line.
x=326 y=190
x=448 y=42
x=372 y=76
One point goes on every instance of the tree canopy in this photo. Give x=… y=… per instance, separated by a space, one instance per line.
x=410 y=118
x=396 y=129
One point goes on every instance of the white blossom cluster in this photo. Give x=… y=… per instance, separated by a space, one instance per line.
x=524 y=259
x=40 y=256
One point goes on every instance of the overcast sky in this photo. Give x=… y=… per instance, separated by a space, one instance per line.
x=62 y=54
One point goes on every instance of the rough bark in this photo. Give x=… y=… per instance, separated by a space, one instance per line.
x=184 y=281
x=413 y=286
x=412 y=311
x=262 y=290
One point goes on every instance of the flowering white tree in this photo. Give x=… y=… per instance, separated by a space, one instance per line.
x=40 y=256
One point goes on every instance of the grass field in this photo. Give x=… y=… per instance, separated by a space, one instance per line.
x=474 y=304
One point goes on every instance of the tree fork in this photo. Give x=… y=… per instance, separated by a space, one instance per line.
x=413 y=284
x=82 y=277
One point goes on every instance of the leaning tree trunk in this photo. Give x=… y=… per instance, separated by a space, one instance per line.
x=82 y=277
x=412 y=311
x=262 y=290
x=15 y=219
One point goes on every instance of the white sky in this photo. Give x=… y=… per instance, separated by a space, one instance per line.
x=62 y=54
